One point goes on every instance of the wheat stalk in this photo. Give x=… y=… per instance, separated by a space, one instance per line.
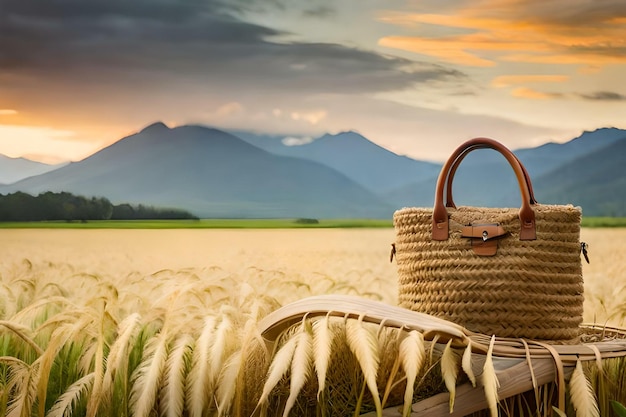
x=98 y=379
x=466 y=363
x=147 y=377
x=322 y=344
x=175 y=373
x=227 y=383
x=86 y=356
x=44 y=363
x=63 y=405
x=300 y=364
x=490 y=380
x=20 y=331
x=364 y=346
x=278 y=368
x=23 y=384
x=581 y=394
x=197 y=380
x=449 y=371
x=117 y=354
x=395 y=366
x=253 y=357
x=412 y=354
x=218 y=348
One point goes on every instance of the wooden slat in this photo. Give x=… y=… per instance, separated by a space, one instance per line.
x=514 y=380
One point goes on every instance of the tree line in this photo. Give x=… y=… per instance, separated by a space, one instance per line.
x=49 y=206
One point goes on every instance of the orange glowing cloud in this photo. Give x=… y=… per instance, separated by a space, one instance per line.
x=447 y=50
x=500 y=30
x=524 y=92
x=511 y=80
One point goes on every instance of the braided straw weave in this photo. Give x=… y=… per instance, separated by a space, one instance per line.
x=529 y=288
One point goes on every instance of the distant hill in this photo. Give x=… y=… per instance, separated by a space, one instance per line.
x=594 y=181
x=361 y=160
x=545 y=158
x=485 y=178
x=211 y=174
x=15 y=169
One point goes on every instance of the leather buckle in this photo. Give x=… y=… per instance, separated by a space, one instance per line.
x=484 y=237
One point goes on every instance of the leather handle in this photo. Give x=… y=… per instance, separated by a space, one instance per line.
x=450 y=201
x=526 y=213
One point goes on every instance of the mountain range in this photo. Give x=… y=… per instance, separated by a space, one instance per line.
x=15 y=169
x=214 y=173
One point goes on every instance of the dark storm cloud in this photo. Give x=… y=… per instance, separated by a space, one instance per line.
x=96 y=9
x=32 y=32
x=201 y=40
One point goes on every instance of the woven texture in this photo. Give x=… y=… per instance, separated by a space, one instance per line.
x=530 y=288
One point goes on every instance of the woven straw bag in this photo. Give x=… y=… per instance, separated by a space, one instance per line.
x=504 y=271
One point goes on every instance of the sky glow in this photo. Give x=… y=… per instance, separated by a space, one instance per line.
x=417 y=77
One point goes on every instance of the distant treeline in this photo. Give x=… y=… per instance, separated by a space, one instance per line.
x=48 y=206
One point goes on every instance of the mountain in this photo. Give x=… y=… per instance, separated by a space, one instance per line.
x=212 y=174
x=361 y=160
x=594 y=181
x=485 y=178
x=545 y=158
x=15 y=169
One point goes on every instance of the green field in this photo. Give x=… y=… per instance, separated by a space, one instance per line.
x=246 y=224
x=604 y=222
x=199 y=224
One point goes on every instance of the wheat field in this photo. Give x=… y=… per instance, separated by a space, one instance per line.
x=164 y=322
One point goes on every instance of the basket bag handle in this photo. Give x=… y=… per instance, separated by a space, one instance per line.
x=440 y=214
x=450 y=201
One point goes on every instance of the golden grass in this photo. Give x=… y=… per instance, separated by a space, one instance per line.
x=605 y=276
x=138 y=322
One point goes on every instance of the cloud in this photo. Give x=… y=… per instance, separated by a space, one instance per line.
x=566 y=14
x=511 y=80
x=320 y=12
x=451 y=50
x=100 y=68
x=313 y=117
x=103 y=67
x=429 y=133
x=229 y=109
x=116 y=42
x=585 y=32
x=297 y=141
x=603 y=96
x=524 y=92
x=7 y=112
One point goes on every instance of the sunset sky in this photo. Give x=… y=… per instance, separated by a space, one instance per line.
x=417 y=77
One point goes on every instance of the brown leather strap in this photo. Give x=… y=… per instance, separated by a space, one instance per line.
x=457 y=162
x=526 y=213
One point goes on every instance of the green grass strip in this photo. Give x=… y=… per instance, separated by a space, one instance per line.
x=604 y=221
x=248 y=224
x=201 y=224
